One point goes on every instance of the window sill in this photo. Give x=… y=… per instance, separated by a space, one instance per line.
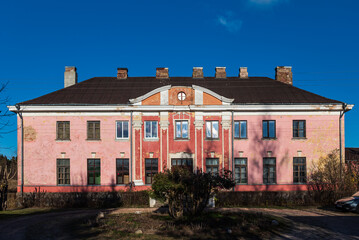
x=60 y=185
x=93 y=185
x=122 y=139
x=150 y=139
x=212 y=139
x=269 y=183
x=240 y=138
x=181 y=139
x=269 y=139
x=63 y=140
x=93 y=140
x=299 y=138
x=239 y=184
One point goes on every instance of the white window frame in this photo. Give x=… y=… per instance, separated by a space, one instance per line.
x=122 y=121
x=151 y=122
x=175 y=129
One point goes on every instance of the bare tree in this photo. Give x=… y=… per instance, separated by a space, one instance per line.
x=6 y=174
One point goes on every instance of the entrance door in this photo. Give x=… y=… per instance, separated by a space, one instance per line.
x=187 y=162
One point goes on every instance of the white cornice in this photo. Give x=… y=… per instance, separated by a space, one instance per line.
x=223 y=99
x=149 y=94
x=204 y=108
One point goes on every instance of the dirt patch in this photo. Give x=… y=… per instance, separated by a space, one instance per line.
x=211 y=225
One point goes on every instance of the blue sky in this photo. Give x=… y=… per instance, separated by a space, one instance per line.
x=319 y=39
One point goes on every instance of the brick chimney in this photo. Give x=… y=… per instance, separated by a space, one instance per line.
x=243 y=73
x=122 y=73
x=162 y=73
x=284 y=74
x=197 y=72
x=70 y=76
x=221 y=72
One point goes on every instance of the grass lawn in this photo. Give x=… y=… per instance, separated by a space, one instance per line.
x=211 y=225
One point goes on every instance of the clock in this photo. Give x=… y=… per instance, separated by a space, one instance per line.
x=181 y=96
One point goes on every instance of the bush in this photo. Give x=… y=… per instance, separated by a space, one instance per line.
x=325 y=182
x=188 y=193
x=40 y=198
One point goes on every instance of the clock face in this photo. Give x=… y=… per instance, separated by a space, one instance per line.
x=181 y=96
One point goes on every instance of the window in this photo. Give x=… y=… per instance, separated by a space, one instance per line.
x=93 y=172
x=151 y=169
x=63 y=130
x=240 y=165
x=182 y=129
x=93 y=130
x=212 y=165
x=240 y=129
x=268 y=129
x=186 y=162
x=122 y=129
x=151 y=129
x=63 y=171
x=122 y=171
x=211 y=129
x=299 y=170
x=299 y=128
x=269 y=170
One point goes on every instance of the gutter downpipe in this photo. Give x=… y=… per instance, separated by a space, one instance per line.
x=232 y=138
x=22 y=149
x=131 y=151
x=340 y=139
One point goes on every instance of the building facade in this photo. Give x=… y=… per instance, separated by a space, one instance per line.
x=102 y=133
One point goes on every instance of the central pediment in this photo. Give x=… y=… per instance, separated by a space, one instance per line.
x=181 y=96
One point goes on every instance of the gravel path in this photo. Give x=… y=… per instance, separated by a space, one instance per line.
x=42 y=226
x=313 y=223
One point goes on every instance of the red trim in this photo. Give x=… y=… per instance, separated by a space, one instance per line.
x=271 y=188
x=81 y=188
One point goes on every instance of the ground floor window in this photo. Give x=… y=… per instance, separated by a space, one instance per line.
x=122 y=171
x=151 y=169
x=187 y=162
x=299 y=170
x=212 y=165
x=93 y=171
x=269 y=170
x=63 y=171
x=240 y=170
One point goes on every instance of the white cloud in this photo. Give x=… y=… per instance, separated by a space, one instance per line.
x=232 y=25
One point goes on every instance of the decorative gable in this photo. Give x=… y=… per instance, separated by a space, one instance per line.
x=181 y=96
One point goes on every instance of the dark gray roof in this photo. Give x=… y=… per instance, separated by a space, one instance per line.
x=110 y=90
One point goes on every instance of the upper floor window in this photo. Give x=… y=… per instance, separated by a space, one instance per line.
x=212 y=165
x=122 y=171
x=93 y=130
x=269 y=170
x=212 y=129
x=122 y=129
x=240 y=171
x=182 y=129
x=63 y=171
x=151 y=129
x=299 y=170
x=240 y=129
x=299 y=129
x=63 y=130
x=269 y=129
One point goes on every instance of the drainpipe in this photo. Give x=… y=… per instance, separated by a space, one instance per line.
x=233 y=174
x=22 y=149
x=131 y=150
x=340 y=138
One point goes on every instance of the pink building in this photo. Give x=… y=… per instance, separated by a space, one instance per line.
x=102 y=133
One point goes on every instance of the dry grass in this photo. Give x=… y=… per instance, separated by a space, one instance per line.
x=211 y=225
